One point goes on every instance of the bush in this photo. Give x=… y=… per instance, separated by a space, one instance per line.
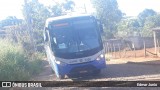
x=15 y=64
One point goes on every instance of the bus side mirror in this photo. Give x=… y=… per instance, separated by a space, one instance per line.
x=45 y=35
x=100 y=26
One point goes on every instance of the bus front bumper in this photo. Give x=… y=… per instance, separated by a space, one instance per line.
x=75 y=69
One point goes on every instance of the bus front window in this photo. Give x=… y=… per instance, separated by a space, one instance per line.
x=75 y=38
x=62 y=40
x=87 y=38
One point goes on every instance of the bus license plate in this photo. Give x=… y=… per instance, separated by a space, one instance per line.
x=83 y=72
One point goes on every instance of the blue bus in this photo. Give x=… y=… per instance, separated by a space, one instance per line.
x=73 y=45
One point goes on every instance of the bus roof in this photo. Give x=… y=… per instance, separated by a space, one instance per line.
x=66 y=17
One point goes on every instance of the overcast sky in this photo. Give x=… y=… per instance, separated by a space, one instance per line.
x=130 y=7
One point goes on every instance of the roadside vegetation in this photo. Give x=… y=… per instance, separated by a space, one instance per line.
x=15 y=64
x=118 y=25
x=21 y=41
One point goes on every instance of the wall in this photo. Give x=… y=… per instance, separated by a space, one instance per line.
x=138 y=42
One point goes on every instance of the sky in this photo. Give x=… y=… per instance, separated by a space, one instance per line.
x=130 y=7
x=134 y=7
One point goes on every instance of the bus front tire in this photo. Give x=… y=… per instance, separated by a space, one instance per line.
x=61 y=76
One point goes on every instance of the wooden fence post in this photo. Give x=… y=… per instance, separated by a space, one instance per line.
x=155 y=43
x=107 y=49
x=158 y=46
x=119 y=50
x=111 y=49
x=114 y=50
x=144 y=48
x=104 y=45
x=134 y=50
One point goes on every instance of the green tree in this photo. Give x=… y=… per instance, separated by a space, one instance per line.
x=35 y=13
x=127 y=27
x=108 y=13
x=68 y=5
x=144 y=14
x=10 y=20
x=150 y=22
x=63 y=8
x=56 y=10
x=142 y=25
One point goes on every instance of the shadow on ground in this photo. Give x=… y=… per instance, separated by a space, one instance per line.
x=124 y=70
x=153 y=62
x=129 y=69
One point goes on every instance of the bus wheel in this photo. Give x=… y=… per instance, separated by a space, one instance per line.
x=61 y=76
x=52 y=71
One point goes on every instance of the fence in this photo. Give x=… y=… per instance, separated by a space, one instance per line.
x=135 y=47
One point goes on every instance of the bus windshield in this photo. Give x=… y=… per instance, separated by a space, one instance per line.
x=75 y=38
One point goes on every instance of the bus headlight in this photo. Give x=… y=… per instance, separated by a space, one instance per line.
x=100 y=57
x=58 y=62
x=61 y=63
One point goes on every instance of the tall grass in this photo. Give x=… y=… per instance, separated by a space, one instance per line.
x=15 y=64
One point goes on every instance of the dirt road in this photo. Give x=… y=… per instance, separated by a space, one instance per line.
x=124 y=70
x=117 y=70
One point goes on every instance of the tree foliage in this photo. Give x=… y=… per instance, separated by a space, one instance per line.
x=150 y=22
x=10 y=20
x=141 y=25
x=35 y=13
x=108 y=13
x=68 y=5
x=56 y=10
x=128 y=27
x=144 y=14
x=148 y=19
x=59 y=9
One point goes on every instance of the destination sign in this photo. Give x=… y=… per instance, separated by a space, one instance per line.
x=61 y=24
x=83 y=21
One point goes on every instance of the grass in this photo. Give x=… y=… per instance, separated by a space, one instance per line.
x=15 y=64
